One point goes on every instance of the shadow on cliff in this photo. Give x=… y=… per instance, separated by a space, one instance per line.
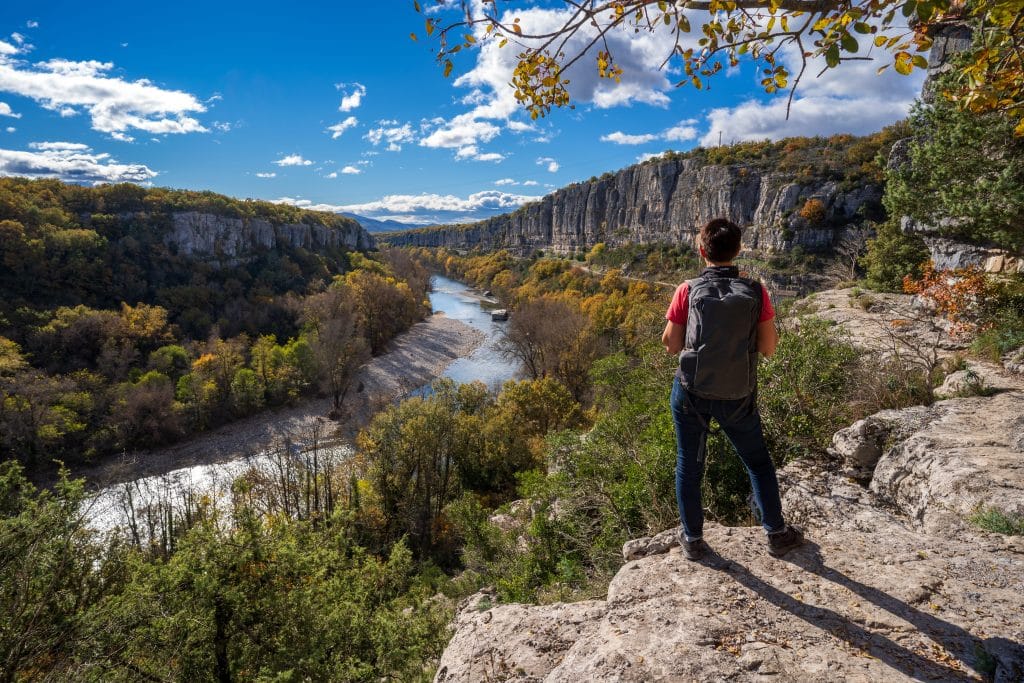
x=952 y=638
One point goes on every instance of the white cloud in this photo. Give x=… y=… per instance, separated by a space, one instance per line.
x=113 y=104
x=59 y=146
x=32 y=24
x=388 y=131
x=530 y=183
x=505 y=181
x=11 y=129
x=223 y=126
x=684 y=130
x=425 y=208
x=71 y=162
x=408 y=204
x=18 y=38
x=351 y=170
x=850 y=99
x=471 y=152
x=520 y=127
x=649 y=155
x=351 y=96
x=552 y=165
x=270 y=174
x=461 y=131
x=339 y=128
x=121 y=137
x=639 y=54
x=293 y=160
x=620 y=138
x=332 y=175
x=5 y=110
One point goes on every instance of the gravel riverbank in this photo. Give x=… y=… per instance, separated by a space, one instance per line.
x=413 y=359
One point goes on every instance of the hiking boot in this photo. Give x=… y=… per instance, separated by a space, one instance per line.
x=783 y=541
x=694 y=550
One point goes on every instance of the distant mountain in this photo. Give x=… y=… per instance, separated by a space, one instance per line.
x=375 y=225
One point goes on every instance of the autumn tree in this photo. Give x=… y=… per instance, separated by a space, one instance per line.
x=551 y=337
x=705 y=36
x=336 y=339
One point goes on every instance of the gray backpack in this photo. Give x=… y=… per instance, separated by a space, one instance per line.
x=719 y=357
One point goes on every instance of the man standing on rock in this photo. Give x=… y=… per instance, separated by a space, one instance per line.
x=717 y=323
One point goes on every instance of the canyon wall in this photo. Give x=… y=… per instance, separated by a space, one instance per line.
x=667 y=200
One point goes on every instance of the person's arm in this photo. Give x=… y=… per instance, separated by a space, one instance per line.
x=767 y=337
x=673 y=337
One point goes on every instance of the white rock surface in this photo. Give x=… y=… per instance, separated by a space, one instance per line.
x=852 y=606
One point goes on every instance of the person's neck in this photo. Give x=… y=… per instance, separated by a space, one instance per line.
x=712 y=264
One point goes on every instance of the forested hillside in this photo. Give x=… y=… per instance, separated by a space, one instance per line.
x=131 y=317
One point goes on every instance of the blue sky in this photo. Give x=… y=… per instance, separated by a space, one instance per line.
x=331 y=105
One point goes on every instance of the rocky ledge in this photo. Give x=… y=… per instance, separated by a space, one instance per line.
x=894 y=584
x=849 y=606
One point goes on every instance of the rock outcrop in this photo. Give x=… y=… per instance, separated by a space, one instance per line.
x=849 y=606
x=214 y=237
x=895 y=584
x=666 y=200
x=949 y=254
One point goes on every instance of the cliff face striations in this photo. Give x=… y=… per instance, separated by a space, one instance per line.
x=211 y=236
x=667 y=200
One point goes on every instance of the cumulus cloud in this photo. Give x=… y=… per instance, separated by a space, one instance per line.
x=70 y=162
x=270 y=174
x=552 y=165
x=650 y=155
x=32 y=24
x=339 y=128
x=684 y=130
x=351 y=170
x=505 y=181
x=423 y=209
x=530 y=183
x=850 y=99
x=471 y=152
x=293 y=160
x=620 y=138
x=462 y=131
x=114 y=105
x=392 y=134
x=11 y=129
x=351 y=96
x=5 y=110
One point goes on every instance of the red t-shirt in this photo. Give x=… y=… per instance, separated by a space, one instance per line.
x=679 y=309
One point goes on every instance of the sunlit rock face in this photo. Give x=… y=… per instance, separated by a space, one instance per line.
x=668 y=201
x=214 y=237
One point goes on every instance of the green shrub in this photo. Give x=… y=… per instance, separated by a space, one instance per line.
x=891 y=255
x=804 y=389
x=995 y=520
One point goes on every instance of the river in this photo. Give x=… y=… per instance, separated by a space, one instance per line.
x=112 y=505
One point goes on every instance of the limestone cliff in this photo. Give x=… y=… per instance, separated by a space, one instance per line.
x=216 y=237
x=667 y=200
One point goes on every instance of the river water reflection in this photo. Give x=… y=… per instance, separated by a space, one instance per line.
x=486 y=363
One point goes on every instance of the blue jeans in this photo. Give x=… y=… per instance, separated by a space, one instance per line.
x=745 y=434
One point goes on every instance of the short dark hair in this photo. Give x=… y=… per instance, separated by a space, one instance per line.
x=721 y=240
